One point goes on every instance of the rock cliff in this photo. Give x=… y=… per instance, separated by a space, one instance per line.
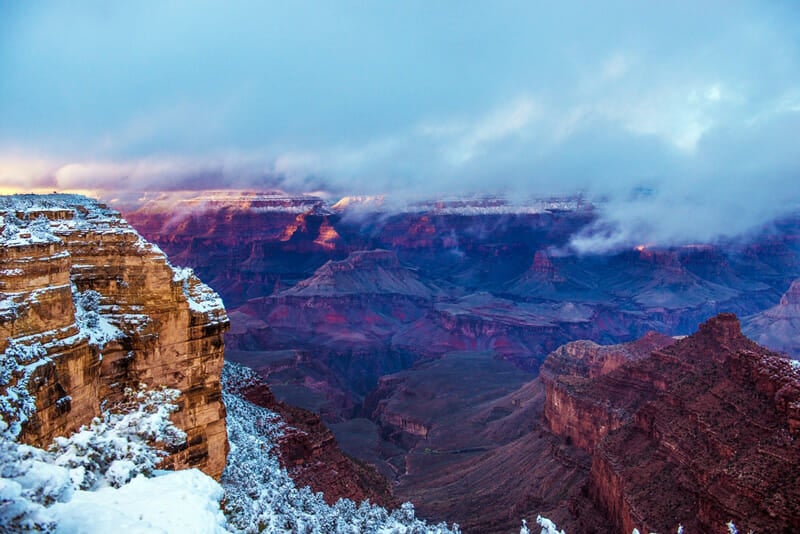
x=571 y=369
x=88 y=308
x=778 y=327
x=700 y=432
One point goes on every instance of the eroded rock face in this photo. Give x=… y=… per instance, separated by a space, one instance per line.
x=700 y=432
x=778 y=327
x=569 y=371
x=99 y=309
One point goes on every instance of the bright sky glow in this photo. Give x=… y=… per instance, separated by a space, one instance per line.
x=697 y=102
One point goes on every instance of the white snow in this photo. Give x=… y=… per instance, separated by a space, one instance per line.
x=39 y=490
x=259 y=492
x=200 y=297
x=548 y=527
x=118 y=446
x=172 y=502
x=92 y=323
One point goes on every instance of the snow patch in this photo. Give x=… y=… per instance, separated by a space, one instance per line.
x=260 y=495
x=178 y=501
x=47 y=491
x=120 y=444
x=200 y=297
x=90 y=320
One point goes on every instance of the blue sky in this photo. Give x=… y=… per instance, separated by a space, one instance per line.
x=698 y=102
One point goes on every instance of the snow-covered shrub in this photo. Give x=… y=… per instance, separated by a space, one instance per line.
x=10 y=227
x=29 y=482
x=88 y=305
x=39 y=490
x=90 y=319
x=17 y=365
x=40 y=225
x=548 y=527
x=261 y=497
x=121 y=444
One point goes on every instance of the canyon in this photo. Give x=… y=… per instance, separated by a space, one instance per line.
x=505 y=381
x=439 y=341
x=91 y=309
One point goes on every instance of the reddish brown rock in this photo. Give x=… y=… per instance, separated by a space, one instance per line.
x=778 y=327
x=569 y=371
x=167 y=325
x=700 y=433
x=308 y=451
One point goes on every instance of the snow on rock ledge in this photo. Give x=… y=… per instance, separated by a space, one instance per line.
x=102 y=309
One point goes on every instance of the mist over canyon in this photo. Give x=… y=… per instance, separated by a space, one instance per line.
x=400 y=267
x=418 y=335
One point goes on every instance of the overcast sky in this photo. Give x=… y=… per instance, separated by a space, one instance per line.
x=684 y=116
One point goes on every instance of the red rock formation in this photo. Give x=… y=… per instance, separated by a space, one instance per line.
x=778 y=327
x=153 y=324
x=700 y=433
x=569 y=371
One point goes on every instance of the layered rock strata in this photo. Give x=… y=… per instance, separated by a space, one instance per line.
x=701 y=432
x=88 y=308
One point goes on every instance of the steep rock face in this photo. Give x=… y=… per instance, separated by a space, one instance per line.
x=700 y=432
x=569 y=371
x=97 y=309
x=778 y=327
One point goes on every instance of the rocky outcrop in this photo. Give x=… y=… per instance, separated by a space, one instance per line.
x=700 y=432
x=778 y=327
x=374 y=272
x=569 y=372
x=88 y=308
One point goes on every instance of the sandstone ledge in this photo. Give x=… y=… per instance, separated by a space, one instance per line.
x=150 y=323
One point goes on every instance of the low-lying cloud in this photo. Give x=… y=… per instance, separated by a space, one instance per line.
x=682 y=121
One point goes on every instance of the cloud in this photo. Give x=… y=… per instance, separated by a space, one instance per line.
x=698 y=106
x=462 y=141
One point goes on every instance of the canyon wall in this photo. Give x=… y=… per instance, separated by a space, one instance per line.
x=88 y=308
x=699 y=432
